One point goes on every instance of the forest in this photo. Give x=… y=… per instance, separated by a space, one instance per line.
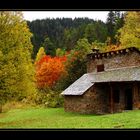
x=41 y=58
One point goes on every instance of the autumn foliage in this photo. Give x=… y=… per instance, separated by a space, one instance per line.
x=113 y=48
x=49 y=70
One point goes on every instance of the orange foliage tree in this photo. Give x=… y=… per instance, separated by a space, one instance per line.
x=49 y=70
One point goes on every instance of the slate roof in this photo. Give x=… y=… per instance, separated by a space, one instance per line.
x=118 y=75
x=113 y=75
x=80 y=85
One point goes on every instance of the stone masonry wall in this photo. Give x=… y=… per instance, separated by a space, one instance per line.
x=97 y=99
x=82 y=104
x=116 y=61
x=94 y=101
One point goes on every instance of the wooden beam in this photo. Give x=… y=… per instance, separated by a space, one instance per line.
x=117 y=52
x=99 y=56
x=108 y=54
x=127 y=50
x=135 y=96
x=131 y=49
x=111 y=99
x=112 y=53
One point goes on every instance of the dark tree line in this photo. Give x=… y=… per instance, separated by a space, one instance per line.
x=64 y=33
x=115 y=21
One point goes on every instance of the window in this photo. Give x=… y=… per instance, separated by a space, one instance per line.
x=116 y=96
x=100 y=68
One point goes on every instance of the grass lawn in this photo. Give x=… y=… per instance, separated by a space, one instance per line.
x=58 y=118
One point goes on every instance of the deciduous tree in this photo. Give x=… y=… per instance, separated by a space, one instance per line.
x=16 y=68
x=49 y=71
x=40 y=54
x=130 y=32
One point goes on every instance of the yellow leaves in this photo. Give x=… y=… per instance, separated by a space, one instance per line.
x=40 y=54
x=15 y=58
x=14 y=31
x=113 y=48
x=129 y=33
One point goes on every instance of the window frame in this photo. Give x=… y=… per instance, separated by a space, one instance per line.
x=100 y=68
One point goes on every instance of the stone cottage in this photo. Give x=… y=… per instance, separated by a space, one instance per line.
x=111 y=84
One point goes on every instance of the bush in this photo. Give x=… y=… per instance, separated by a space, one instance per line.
x=48 y=98
x=54 y=100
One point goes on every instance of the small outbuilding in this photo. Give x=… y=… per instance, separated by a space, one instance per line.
x=111 y=84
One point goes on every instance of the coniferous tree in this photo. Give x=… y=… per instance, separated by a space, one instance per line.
x=115 y=21
x=96 y=32
x=48 y=46
x=110 y=25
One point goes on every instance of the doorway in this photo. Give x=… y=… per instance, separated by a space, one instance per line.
x=128 y=99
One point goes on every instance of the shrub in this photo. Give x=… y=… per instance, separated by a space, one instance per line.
x=48 y=98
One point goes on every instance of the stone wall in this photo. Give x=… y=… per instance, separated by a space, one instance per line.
x=82 y=103
x=94 y=101
x=116 y=61
x=97 y=99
